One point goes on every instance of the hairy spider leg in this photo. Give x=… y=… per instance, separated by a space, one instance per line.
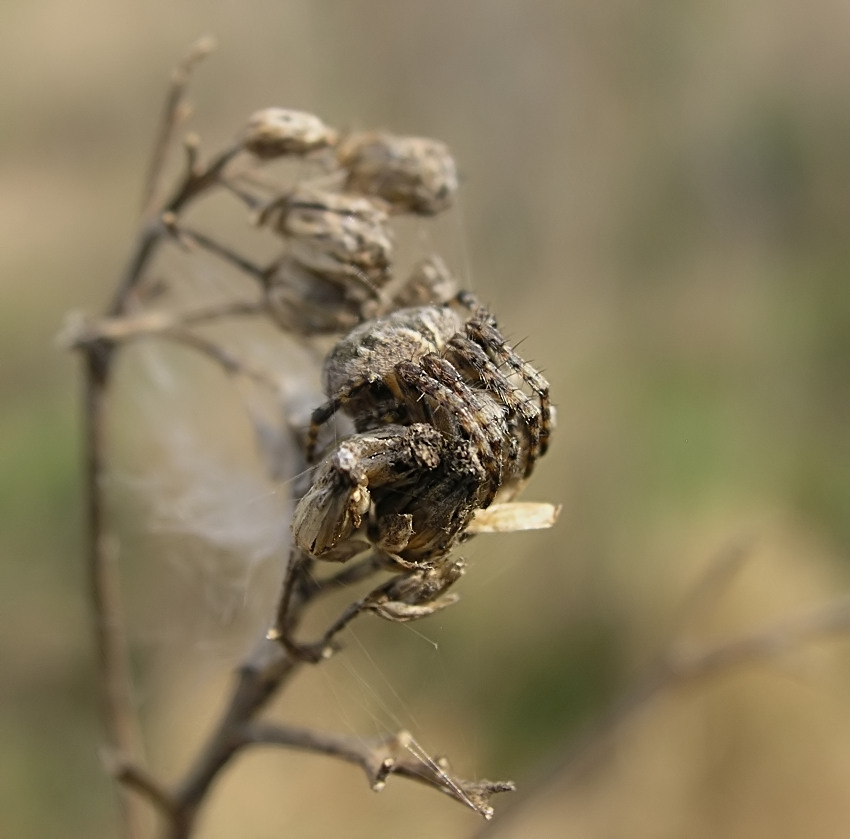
x=488 y=416
x=469 y=357
x=325 y=411
x=421 y=384
x=482 y=330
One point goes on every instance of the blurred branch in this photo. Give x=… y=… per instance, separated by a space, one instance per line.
x=113 y=666
x=345 y=244
x=188 y=238
x=174 y=113
x=678 y=666
x=135 y=778
x=721 y=571
x=231 y=364
x=258 y=680
x=685 y=664
x=78 y=332
x=114 y=672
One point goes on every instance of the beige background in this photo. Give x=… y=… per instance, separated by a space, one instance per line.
x=656 y=198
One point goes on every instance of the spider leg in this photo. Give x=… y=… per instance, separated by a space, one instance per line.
x=488 y=416
x=482 y=330
x=435 y=379
x=325 y=411
x=470 y=358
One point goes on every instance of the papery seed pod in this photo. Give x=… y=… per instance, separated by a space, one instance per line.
x=338 y=235
x=274 y=132
x=429 y=282
x=307 y=303
x=412 y=174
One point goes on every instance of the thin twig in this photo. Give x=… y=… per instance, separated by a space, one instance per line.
x=144 y=324
x=258 y=680
x=114 y=672
x=113 y=667
x=135 y=777
x=353 y=572
x=231 y=364
x=196 y=180
x=381 y=757
x=174 y=112
x=297 y=571
x=187 y=236
x=687 y=665
x=298 y=578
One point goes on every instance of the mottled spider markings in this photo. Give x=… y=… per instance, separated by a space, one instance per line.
x=458 y=408
x=431 y=364
x=448 y=419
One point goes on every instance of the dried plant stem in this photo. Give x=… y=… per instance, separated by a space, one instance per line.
x=188 y=237
x=379 y=758
x=109 y=629
x=174 y=112
x=345 y=249
x=113 y=667
x=146 y=324
x=223 y=358
x=258 y=681
x=197 y=179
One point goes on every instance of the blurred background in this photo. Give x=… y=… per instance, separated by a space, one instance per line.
x=656 y=199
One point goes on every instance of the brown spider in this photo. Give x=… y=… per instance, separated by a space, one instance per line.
x=441 y=431
x=409 y=491
x=442 y=365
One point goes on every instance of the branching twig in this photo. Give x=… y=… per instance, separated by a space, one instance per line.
x=188 y=237
x=257 y=682
x=381 y=757
x=341 y=254
x=114 y=677
x=145 y=324
x=135 y=778
x=174 y=113
x=196 y=180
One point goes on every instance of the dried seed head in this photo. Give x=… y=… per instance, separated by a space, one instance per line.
x=338 y=236
x=307 y=303
x=274 y=132
x=412 y=174
x=429 y=282
x=338 y=500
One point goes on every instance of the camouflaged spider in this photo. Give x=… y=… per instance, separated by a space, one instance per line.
x=441 y=432
x=442 y=365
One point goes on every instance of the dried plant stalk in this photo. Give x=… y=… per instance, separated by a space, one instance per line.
x=446 y=423
x=448 y=419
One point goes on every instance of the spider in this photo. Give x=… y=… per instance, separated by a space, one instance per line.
x=443 y=366
x=441 y=432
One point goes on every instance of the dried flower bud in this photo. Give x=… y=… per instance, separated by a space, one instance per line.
x=274 y=132
x=307 y=303
x=338 y=236
x=429 y=282
x=412 y=174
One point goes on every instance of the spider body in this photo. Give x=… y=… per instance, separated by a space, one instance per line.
x=447 y=419
x=442 y=365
